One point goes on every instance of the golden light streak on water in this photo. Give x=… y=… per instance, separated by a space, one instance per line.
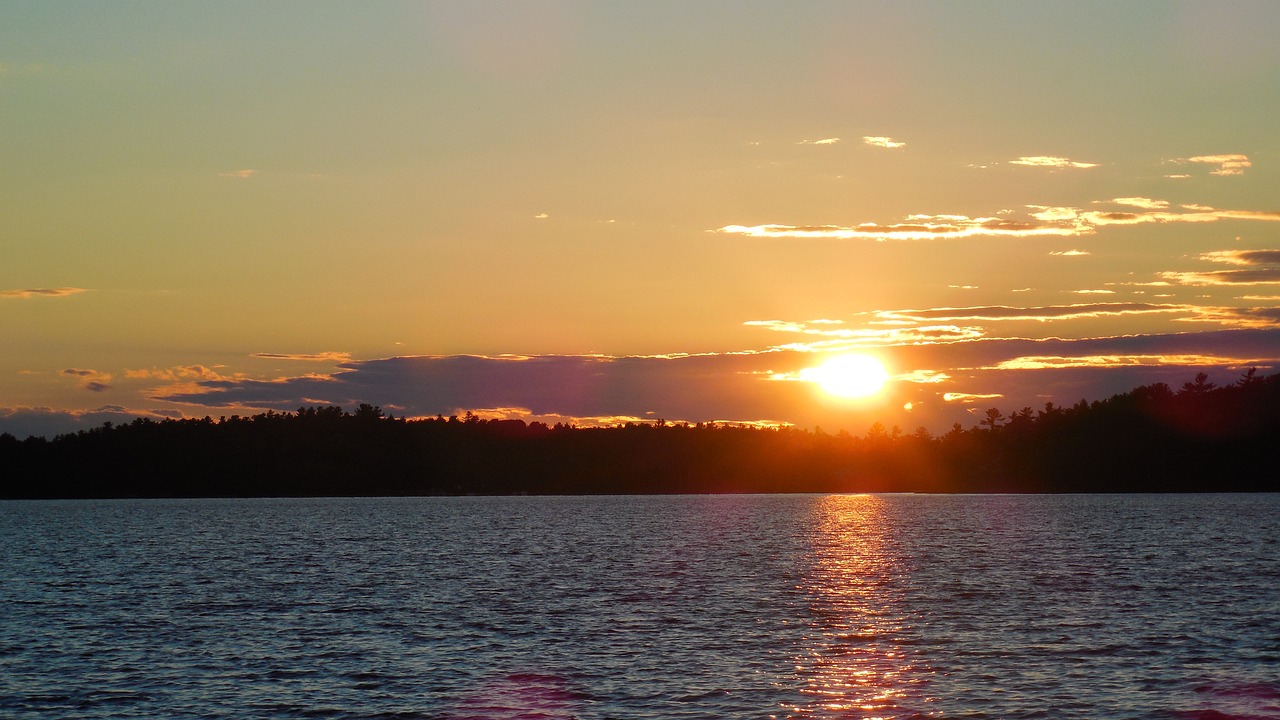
x=858 y=667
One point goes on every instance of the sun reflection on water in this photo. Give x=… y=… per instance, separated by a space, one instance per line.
x=860 y=663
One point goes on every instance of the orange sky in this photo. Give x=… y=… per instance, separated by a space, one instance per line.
x=591 y=211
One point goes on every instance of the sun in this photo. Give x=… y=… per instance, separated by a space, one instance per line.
x=848 y=376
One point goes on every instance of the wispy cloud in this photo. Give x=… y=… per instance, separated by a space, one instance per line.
x=961 y=397
x=1257 y=267
x=1051 y=162
x=335 y=357
x=1227 y=164
x=42 y=292
x=1043 y=220
x=1044 y=362
x=1070 y=253
x=541 y=216
x=1042 y=313
x=837 y=338
x=242 y=174
x=823 y=141
x=882 y=141
x=1138 y=202
x=916 y=227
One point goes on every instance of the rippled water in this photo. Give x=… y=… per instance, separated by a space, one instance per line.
x=892 y=606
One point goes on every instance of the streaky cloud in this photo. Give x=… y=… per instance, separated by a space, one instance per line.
x=42 y=292
x=1042 y=362
x=1051 y=162
x=306 y=357
x=1042 y=313
x=1257 y=267
x=1044 y=220
x=1139 y=202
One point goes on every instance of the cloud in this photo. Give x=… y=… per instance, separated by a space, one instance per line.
x=181 y=372
x=1041 y=314
x=42 y=292
x=824 y=141
x=881 y=141
x=1050 y=161
x=1227 y=164
x=969 y=397
x=1139 y=202
x=1258 y=267
x=306 y=357
x=925 y=363
x=1043 y=220
x=1244 y=257
x=91 y=380
x=693 y=387
x=917 y=227
x=1043 y=362
x=1070 y=253
x=837 y=338
x=23 y=422
x=1093 y=292
x=242 y=174
x=541 y=216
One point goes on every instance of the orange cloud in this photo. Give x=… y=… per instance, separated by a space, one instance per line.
x=918 y=227
x=824 y=141
x=1258 y=267
x=91 y=380
x=1040 y=314
x=1227 y=164
x=1045 y=362
x=961 y=397
x=181 y=372
x=42 y=292
x=306 y=357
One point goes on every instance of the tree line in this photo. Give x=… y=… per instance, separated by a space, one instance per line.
x=1200 y=437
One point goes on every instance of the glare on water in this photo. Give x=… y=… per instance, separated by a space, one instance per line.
x=858 y=667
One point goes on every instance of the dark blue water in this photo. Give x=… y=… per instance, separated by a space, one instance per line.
x=892 y=606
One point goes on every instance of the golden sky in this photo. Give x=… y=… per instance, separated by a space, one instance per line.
x=592 y=211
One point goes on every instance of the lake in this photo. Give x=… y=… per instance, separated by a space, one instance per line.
x=764 y=606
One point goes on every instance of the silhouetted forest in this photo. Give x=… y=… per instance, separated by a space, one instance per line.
x=1200 y=437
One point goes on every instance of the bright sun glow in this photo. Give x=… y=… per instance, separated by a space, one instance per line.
x=848 y=376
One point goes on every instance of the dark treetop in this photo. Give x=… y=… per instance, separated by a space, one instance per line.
x=1152 y=439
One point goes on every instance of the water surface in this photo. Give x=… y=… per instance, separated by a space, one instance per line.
x=879 y=606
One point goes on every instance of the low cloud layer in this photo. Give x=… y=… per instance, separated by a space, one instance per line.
x=743 y=387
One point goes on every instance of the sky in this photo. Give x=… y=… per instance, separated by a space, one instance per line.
x=601 y=212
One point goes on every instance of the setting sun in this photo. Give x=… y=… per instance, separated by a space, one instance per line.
x=848 y=376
